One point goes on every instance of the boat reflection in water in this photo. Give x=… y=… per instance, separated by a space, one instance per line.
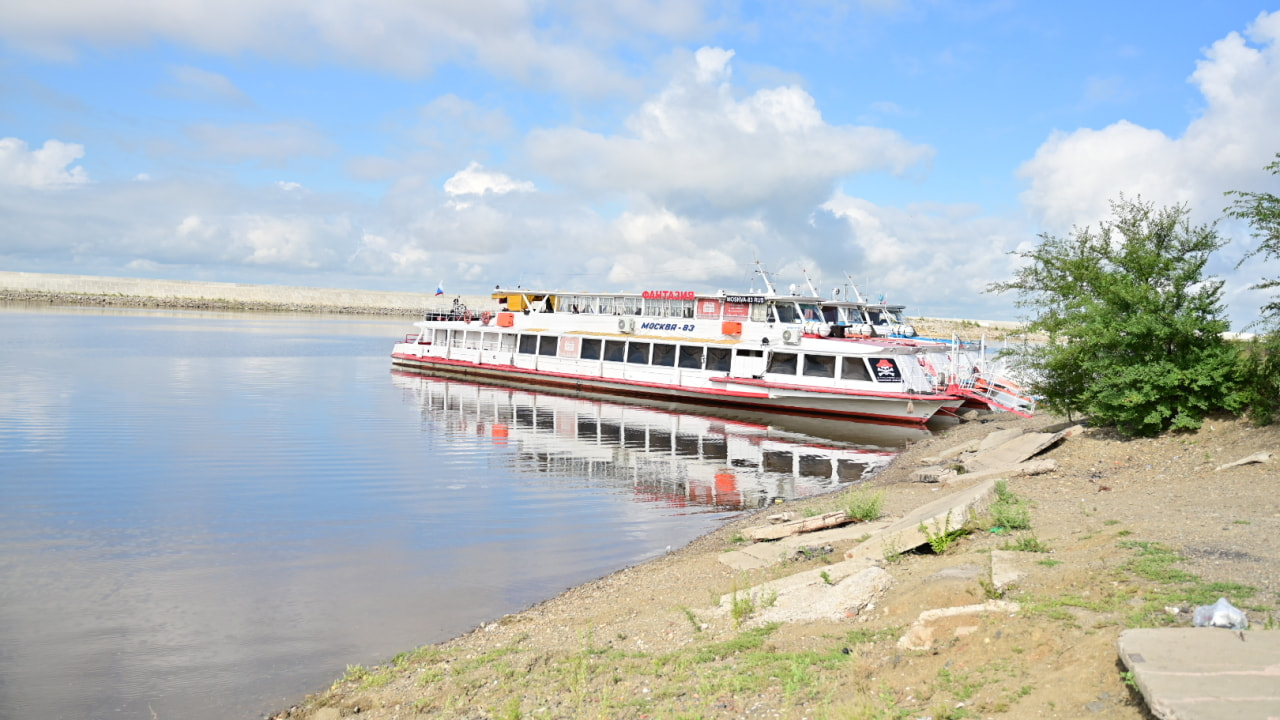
x=723 y=462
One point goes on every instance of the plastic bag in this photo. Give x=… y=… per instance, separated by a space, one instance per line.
x=1220 y=614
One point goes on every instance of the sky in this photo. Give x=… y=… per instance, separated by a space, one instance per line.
x=910 y=146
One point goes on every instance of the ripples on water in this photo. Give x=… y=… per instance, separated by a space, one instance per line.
x=206 y=515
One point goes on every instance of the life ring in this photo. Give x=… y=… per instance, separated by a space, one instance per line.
x=485 y=317
x=466 y=317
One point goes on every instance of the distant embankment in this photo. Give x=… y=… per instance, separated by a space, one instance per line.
x=141 y=292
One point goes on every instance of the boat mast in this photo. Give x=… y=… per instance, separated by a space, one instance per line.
x=854 y=286
x=764 y=275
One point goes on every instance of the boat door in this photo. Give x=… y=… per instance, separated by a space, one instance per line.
x=747 y=363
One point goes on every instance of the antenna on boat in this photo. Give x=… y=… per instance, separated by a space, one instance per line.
x=764 y=275
x=812 y=290
x=854 y=287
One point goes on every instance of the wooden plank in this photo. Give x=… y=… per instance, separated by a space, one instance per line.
x=795 y=527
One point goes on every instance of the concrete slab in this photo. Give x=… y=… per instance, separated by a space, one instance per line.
x=998 y=438
x=1012 y=452
x=798 y=584
x=951 y=452
x=921 y=634
x=764 y=554
x=1205 y=673
x=937 y=474
x=1024 y=469
x=951 y=510
x=1009 y=566
x=837 y=600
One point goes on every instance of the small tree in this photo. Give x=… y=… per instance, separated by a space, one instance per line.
x=1134 y=326
x=1260 y=360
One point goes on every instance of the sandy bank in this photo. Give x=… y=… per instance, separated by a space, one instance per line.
x=1125 y=533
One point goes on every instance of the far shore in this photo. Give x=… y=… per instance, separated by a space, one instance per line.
x=94 y=291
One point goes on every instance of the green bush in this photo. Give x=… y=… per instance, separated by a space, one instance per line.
x=1259 y=371
x=1134 y=325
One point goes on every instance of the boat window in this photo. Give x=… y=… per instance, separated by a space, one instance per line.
x=442 y=337
x=850 y=470
x=591 y=348
x=664 y=354
x=489 y=341
x=810 y=312
x=691 y=357
x=627 y=305
x=820 y=366
x=714 y=448
x=718 y=359
x=456 y=340
x=778 y=461
x=687 y=445
x=854 y=368
x=529 y=344
x=638 y=353
x=782 y=363
x=606 y=306
x=659 y=441
x=668 y=308
x=742 y=352
x=508 y=343
x=785 y=312
x=615 y=350
x=814 y=466
x=548 y=345
x=831 y=315
x=759 y=312
x=877 y=317
x=472 y=341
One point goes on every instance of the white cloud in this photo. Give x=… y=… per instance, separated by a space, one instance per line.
x=205 y=86
x=268 y=143
x=551 y=42
x=934 y=258
x=474 y=180
x=43 y=168
x=697 y=143
x=297 y=242
x=1074 y=174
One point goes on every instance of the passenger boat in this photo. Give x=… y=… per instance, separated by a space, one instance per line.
x=760 y=350
x=963 y=369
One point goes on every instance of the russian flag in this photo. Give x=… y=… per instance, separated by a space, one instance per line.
x=440 y=288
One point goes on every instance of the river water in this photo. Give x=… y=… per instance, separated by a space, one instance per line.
x=207 y=515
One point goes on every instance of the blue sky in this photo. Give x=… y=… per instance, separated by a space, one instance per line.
x=640 y=144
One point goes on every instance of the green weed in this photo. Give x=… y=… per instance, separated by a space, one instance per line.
x=865 y=506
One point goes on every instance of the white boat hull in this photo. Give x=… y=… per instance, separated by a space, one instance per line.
x=711 y=390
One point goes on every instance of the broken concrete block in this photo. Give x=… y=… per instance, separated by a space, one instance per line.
x=920 y=635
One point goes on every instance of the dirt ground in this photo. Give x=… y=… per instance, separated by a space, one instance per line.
x=1134 y=533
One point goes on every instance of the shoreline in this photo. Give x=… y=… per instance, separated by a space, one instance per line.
x=648 y=641
x=36 y=297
